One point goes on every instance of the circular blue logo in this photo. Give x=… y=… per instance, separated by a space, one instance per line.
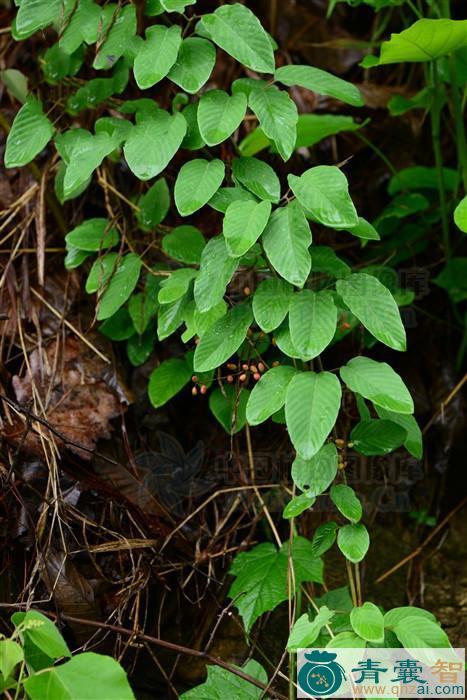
x=321 y=674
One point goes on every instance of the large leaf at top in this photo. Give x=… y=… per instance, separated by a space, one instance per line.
x=118 y=38
x=377 y=382
x=221 y=684
x=167 y=380
x=223 y=338
x=373 y=304
x=30 y=132
x=258 y=177
x=320 y=81
x=153 y=142
x=312 y=322
x=121 y=285
x=261 y=576
x=216 y=270
x=311 y=407
x=268 y=395
x=425 y=40
x=156 y=55
x=239 y=32
x=244 y=222
x=84 y=676
x=219 y=115
x=286 y=241
x=194 y=64
x=324 y=192
x=271 y=303
x=196 y=183
x=278 y=117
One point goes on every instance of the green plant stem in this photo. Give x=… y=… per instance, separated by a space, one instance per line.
x=435 y=115
x=377 y=151
x=353 y=592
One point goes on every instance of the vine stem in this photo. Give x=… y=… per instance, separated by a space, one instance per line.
x=459 y=122
x=435 y=114
x=353 y=592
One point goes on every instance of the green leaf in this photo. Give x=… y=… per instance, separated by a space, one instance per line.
x=271 y=302
x=346 y=640
x=377 y=437
x=153 y=205
x=119 y=326
x=239 y=32
x=304 y=633
x=93 y=235
x=324 y=192
x=170 y=317
x=258 y=177
x=324 y=537
x=320 y=81
x=30 y=133
x=396 y=615
x=414 y=438
x=228 y=407
x=420 y=177
x=16 y=83
x=222 y=684
x=298 y=505
x=364 y=230
x=35 y=15
x=325 y=260
x=167 y=380
x=157 y=55
x=416 y=631
x=176 y=285
x=262 y=576
x=196 y=183
x=84 y=676
x=42 y=633
x=278 y=117
x=118 y=39
x=377 y=382
x=353 y=541
x=425 y=40
x=312 y=322
x=367 y=621
x=268 y=395
x=176 y=5
x=244 y=222
x=373 y=304
x=347 y=502
x=121 y=285
x=84 y=153
x=195 y=61
x=286 y=241
x=225 y=196
x=11 y=654
x=185 y=244
x=314 y=475
x=453 y=278
x=142 y=307
x=193 y=139
x=100 y=272
x=460 y=215
x=153 y=143
x=216 y=270
x=223 y=338
x=311 y=408
x=82 y=26
x=219 y=115
x=140 y=346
